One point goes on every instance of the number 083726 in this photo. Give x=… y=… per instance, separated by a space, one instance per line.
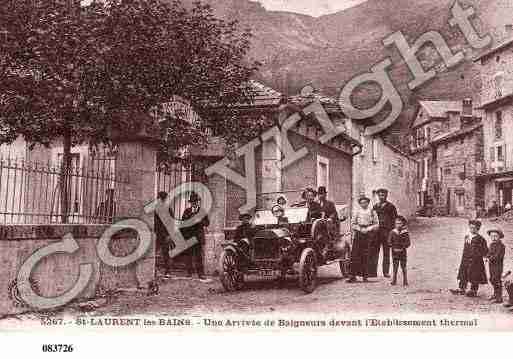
x=57 y=348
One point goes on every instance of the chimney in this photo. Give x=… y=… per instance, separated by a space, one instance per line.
x=467 y=108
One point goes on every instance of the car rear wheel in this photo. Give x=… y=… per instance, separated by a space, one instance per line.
x=308 y=270
x=230 y=274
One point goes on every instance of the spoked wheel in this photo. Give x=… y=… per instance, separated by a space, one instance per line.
x=231 y=277
x=308 y=270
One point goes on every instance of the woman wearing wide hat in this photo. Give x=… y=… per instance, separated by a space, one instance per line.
x=364 y=224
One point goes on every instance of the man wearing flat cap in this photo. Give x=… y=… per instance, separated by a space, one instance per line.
x=472 y=268
x=387 y=214
x=496 y=263
x=195 y=253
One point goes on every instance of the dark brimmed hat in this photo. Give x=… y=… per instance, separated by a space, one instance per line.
x=162 y=195
x=322 y=190
x=498 y=231
x=475 y=222
x=245 y=215
x=281 y=197
x=194 y=197
x=364 y=198
x=382 y=190
x=308 y=189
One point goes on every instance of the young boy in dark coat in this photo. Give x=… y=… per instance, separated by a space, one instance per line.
x=472 y=269
x=399 y=241
x=496 y=263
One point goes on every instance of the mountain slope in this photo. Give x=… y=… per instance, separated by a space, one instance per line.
x=328 y=51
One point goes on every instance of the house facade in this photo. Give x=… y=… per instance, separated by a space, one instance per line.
x=381 y=165
x=447 y=140
x=431 y=119
x=496 y=97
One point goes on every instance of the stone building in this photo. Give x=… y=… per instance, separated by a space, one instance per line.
x=496 y=96
x=431 y=119
x=446 y=138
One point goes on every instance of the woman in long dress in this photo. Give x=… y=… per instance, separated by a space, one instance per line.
x=364 y=223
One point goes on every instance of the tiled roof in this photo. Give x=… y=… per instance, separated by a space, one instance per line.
x=495 y=49
x=457 y=133
x=437 y=109
x=330 y=104
x=441 y=108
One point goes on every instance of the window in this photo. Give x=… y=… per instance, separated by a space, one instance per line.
x=447 y=171
x=428 y=133
x=420 y=134
x=323 y=172
x=498 y=125
x=492 y=154
x=375 y=147
x=500 y=154
x=498 y=82
x=461 y=199
x=440 y=174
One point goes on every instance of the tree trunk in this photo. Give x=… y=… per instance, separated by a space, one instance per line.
x=65 y=178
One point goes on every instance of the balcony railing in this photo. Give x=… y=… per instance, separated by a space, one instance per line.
x=483 y=169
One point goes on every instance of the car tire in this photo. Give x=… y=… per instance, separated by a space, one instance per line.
x=230 y=274
x=308 y=270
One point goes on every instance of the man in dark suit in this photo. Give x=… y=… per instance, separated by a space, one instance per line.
x=328 y=209
x=329 y=212
x=314 y=208
x=387 y=214
x=195 y=253
x=164 y=242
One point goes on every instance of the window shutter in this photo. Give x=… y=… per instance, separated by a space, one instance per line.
x=492 y=154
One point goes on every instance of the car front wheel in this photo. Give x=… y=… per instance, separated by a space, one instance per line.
x=308 y=270
x=230 y=274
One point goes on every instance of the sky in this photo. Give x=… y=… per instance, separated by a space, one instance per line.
x=310 y=7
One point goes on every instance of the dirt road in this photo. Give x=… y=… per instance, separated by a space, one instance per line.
x=433 y=262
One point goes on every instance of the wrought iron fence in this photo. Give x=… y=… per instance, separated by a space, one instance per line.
x=42 y=193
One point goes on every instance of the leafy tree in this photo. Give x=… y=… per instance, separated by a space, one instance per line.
x=94 y=73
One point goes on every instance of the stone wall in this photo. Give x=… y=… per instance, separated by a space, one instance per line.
x=57 y=273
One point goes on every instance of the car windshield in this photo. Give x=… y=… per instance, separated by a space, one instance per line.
x=294 y=215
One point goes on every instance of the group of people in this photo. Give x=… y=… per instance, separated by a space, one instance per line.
x=472 y=267
x=193 y=255
x=375 y=229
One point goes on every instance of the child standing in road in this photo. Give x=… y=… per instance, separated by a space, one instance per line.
x=399 y=241
x=496 y=263
x=472 y=269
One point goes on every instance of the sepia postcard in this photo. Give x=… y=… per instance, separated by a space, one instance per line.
x=318 y=166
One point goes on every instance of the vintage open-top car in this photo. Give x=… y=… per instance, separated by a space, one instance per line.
x=275 y=249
